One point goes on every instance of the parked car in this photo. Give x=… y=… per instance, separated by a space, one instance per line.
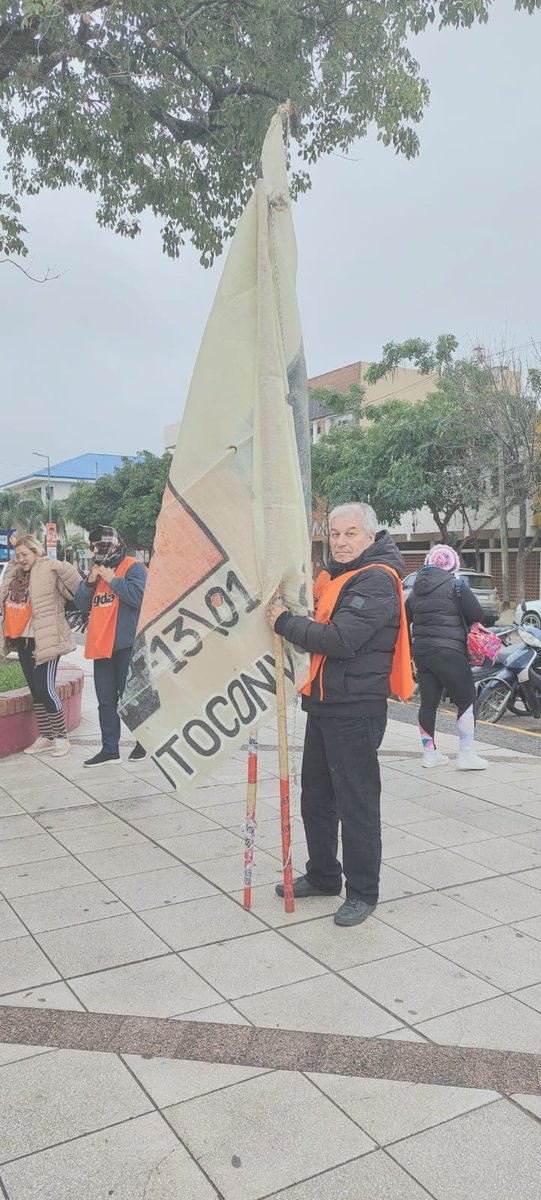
x=482 y=586
x=528 y=612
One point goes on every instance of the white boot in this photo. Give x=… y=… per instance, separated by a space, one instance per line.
x=39 y=746
x=433 y=758
x=468 y=760
x=60 y=747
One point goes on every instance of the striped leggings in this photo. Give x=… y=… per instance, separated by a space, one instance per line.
x=45 y=699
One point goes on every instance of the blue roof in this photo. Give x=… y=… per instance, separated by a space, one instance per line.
x=84 y=467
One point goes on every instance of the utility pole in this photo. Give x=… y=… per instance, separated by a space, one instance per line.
x=482 y=357
x=502 y=500
x=504 y=538
x=38 y=455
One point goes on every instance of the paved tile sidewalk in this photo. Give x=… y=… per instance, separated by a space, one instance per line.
x=119 y=896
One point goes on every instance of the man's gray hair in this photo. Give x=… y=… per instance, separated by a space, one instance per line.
x=361 y=511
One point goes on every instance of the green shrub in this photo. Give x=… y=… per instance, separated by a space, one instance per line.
x=11 y=676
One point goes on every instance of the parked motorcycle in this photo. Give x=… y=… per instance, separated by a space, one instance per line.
x=514 y=683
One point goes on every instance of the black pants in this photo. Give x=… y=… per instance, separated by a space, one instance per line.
x=41 y=680
x=447 y=669
x=341 y=782
x=110 y=680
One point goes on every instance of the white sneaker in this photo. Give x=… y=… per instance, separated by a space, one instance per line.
x=60 y=747
x=468 y=760
x=38 y=747
x=433 y=758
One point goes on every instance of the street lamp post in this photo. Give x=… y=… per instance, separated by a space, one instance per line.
x=38 y=455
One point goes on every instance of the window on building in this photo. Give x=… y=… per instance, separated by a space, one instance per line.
x=473 y=561
x=344 y=419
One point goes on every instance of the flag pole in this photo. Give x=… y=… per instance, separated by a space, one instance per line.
x=250 y=822
x=283 y=761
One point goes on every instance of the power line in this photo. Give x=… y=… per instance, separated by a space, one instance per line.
x=510 y=349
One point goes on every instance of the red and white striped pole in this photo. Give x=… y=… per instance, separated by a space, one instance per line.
x=283 y=761
x=250 y=822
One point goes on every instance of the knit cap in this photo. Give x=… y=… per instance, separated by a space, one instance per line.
x=444 y=557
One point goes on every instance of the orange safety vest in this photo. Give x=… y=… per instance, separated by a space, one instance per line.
x=326 y=593
x=103 y=615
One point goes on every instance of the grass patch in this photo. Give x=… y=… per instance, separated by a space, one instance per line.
x=11 y=676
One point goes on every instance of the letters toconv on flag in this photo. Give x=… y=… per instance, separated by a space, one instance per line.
x=233 y=524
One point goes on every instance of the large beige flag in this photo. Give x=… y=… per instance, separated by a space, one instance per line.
x=233 y=525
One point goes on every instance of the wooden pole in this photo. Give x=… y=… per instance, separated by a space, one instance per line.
x=250 y=822
x=283 y=760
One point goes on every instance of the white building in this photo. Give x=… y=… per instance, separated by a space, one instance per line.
x=62 y=477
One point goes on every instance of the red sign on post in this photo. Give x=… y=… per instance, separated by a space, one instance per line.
x=51 y=539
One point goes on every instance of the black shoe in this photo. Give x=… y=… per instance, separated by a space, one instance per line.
x=302 y=887
x=137 y=753
x=353 y=912
x=101 y=758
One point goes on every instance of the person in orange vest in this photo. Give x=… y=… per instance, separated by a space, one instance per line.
x=360 y=654
x=33 y=597
x=112 y=594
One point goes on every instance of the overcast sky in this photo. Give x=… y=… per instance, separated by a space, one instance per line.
x=100 y=359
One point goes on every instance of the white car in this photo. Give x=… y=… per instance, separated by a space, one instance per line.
x=528 y=612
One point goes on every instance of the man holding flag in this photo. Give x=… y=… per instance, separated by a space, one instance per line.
x=359 y=648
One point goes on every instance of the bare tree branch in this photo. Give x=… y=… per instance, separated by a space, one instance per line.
x=34 y=278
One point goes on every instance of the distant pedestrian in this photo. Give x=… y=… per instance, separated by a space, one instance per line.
x=33 y=622
x=112 y=594
x=440 y=609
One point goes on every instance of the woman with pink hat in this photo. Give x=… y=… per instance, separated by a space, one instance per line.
x=440 y=609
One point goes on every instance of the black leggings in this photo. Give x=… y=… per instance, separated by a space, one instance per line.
x=41 y=679
x=447 y=669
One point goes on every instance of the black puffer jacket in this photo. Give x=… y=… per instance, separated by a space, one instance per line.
x=359 y=639
x=438 y=609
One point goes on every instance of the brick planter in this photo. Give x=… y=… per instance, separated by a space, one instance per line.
x=18 y=727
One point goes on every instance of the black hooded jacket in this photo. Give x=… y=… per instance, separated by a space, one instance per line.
x=359 y=639
x=438 y=610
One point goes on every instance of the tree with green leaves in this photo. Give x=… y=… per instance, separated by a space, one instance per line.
x=12 y=230
x=407 y=457
x=23 y=511
x=27 y=513
x=58 y=515
x=425 y=356
x=130 y=499
x=163 y=104
x=498 y=401
x=473 y=447
x=72 y=546
x=340 y=403
x=503 y=399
